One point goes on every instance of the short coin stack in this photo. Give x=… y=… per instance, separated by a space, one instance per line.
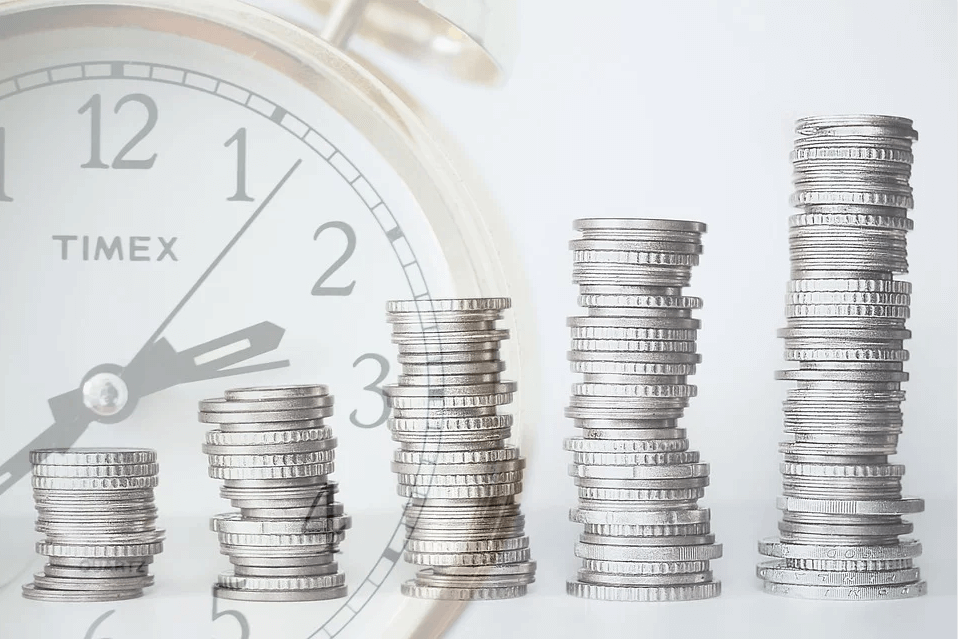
x=96 y=510
x=638 y=483
x=842 y=501
x=453 y=464
x=274 y=453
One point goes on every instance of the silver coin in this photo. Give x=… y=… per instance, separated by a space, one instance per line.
x=644 y=593
x=252 y=420
x=413 y=589
x=648 y=553
x=280 y=584
x=67 y=572
x=260 y=393
x=80 y=584
x=43 y=594
x=311 y=560
x=92 y=456
x=286 y=571
x=220 y=405
x=668 y=579
x=430 y=578
x=847 y=593
x=652 y=472
x=906 y=548
x=468 y=558
x=778 y=572
x=321 y=594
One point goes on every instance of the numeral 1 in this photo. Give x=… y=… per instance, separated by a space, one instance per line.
x=240 y=139
x=3 y=165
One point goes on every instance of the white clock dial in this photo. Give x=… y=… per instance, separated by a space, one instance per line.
x=184 y=209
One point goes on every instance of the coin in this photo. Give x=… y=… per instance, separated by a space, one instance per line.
x=644 y=593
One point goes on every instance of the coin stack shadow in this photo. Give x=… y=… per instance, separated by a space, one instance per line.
x=462 y=520
x=842 y=501
x=97 y=512
x=645 y=537
x=274 y=453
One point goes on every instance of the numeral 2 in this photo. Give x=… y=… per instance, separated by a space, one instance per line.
x=93 y=105
x=319 y=287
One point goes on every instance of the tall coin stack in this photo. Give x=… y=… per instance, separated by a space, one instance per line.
x=96 y=510
x=462 y=519
x=842 y=502
x=274 y=453
x=645 y=537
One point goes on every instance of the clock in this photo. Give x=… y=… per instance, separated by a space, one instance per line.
x=204 y=194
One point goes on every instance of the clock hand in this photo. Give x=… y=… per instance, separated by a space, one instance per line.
x=71 y=414
x=219 y=258
x=162 y=367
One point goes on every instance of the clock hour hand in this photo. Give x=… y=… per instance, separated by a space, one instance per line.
x=156 y=368
x=160 y=366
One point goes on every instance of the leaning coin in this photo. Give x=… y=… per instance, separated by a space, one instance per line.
x=778 y=572
x=264 y=417
x=219 y=405
x=847 y=593
x=903 y=506
x=320 y=594
x=905 y=548
x=639 y=593
x=276 y=392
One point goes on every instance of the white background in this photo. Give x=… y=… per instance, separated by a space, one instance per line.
x=685 y=109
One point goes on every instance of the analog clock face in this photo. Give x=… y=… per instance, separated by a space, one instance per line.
x=177 y=217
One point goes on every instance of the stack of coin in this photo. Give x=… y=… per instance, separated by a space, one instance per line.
x=96 y=510
x=645 y=537
x=462 y=518
x=842 y=502
x=274 y=453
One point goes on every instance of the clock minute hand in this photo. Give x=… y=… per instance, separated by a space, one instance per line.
x=155 y=337
x=161 y=366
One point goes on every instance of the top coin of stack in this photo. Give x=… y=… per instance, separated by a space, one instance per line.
x=842 y=502
x=462 y=520
x=97 y=512
x=274 y=453
x=645 y=537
